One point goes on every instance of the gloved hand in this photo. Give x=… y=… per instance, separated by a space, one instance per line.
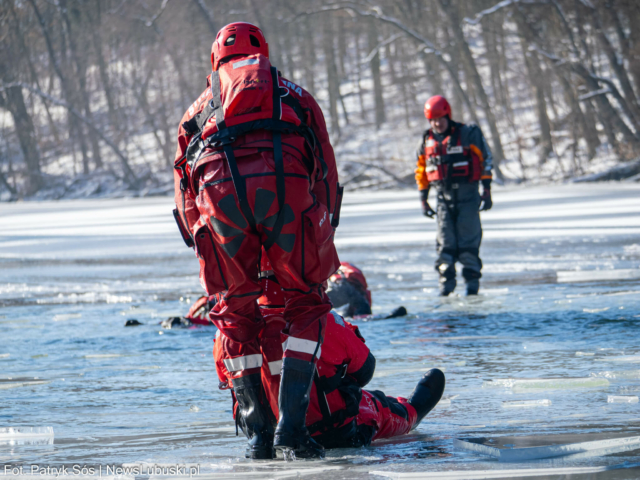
x=485 y=199
x=427 y=211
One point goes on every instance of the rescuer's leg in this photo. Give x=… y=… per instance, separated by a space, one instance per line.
x=427 y=394
x=446 y=244
x=469 y=233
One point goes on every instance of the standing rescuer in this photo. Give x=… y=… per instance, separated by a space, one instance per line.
x=255 y=171
x=455 y=158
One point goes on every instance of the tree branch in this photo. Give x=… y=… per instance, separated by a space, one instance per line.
x=377 y=13
x=130 y=177
x=378 y=167
x=587 y=96
x=377 y=48
x=498 y=6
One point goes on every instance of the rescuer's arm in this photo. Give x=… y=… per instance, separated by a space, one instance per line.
x=365 y=373
x=427 y=211
x=362 y=364
x=221 y=369
x=423 y=182
x=477 y=140
x=325 y=189
x=187 y=213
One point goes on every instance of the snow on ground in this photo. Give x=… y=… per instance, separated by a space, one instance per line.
x=554 y=332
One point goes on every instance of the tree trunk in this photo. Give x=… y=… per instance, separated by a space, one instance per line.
x=333 y=85
x=26 y=54
x=618 y=68
x=498 y=153
x=358 y=70
x=26 y=136
x=207 y=16
x=453 y=95
x=372 y=38
x=81 y=75
x=588 y=130
x=96 y=37
x=75 y=128
x=489 y=27
x=309 y=57
x=536 y=80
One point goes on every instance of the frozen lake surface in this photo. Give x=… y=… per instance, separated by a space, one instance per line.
x=554 y=334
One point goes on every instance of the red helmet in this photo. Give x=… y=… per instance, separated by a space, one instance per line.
x=436 y=107
x=238 y=38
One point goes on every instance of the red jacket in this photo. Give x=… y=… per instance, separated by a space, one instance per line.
x=325 y=189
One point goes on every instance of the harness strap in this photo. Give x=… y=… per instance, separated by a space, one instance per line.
x=323 y=403
x=277 y=106
x=329 y=384
x=216 y=103
x=280 y=190
x=325 y=385
x=240 y=186
x=279 y=162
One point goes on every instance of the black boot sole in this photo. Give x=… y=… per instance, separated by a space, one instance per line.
x=306 y=449
x=262 y=454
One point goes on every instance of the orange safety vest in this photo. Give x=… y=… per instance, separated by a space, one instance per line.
x=450 y=159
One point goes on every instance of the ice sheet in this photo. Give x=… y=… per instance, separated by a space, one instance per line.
x=507 y=473
x=622 y=399
x=561 y=383
x=598 y=275
x=23 y=432
x=520 y=449
x=26 y=436
x=526 y=403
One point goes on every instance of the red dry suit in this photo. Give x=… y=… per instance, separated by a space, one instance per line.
x=341 y=413
x=243 y=188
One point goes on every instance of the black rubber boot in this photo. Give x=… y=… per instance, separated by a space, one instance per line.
x=447 y=281
x=291 y=433
x=427 y=393
x=473 y=286
x=256 y=421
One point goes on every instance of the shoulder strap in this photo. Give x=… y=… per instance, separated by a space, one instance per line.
x=454 y=139
x=216 y=103
x=279 y=163
x=293 y=102
x=325 y=385
x=425 y=135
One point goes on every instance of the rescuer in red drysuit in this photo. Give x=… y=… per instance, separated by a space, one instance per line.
x=455 y=158
x=348 y=289
x=198 y=314
x=255 y=168
x=341 y=414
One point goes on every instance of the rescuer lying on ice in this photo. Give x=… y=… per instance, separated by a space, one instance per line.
x=198 y=314
x=341 y=414
x=348 y=290
x=255 y=169
x=454 y=157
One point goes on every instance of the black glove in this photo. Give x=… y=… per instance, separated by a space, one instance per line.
x=486 y=202
x=427 y=211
